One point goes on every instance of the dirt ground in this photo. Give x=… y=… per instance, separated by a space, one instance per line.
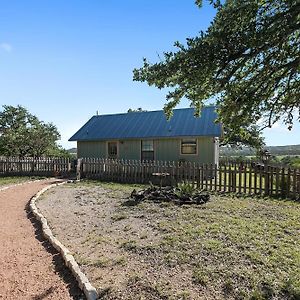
x=30 y=268
x=229 y=248
x=114 y=242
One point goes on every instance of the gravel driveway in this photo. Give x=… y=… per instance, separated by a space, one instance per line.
x=30 y=268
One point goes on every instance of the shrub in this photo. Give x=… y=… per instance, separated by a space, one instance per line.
x=185 y=189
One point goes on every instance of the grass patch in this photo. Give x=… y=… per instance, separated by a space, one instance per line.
x=104 y=262
x=119 y=217
x=16 y=180
x=246 y=247
x=124 y=187
x=200 y=277
x=130 y=245
x=95 y=239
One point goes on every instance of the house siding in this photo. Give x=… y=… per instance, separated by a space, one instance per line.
x=130 y=149
x=169 y=149
x=164 y=150
x=91 y=149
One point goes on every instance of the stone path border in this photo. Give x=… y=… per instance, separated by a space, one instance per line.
x=83 y=282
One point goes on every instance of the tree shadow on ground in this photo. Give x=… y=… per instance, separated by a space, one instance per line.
x=60 y=268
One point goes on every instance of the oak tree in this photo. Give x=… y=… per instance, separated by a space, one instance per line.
x=23 y=134
x=248 y=62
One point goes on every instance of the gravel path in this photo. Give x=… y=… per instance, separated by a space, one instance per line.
x=30 y=268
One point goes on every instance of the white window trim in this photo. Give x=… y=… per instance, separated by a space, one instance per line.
x=154 y=148
x=147 y=141
x=118 y=148
x=185 y=154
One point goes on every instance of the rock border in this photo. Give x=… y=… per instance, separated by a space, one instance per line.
x=83 y=282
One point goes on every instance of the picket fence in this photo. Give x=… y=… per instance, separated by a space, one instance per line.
x=29 y=166
x=238 y=177
x=244 y=178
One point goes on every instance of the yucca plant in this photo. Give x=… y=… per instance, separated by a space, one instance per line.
x=185 y=189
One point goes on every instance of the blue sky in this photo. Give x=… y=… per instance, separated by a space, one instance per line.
x=64 y=60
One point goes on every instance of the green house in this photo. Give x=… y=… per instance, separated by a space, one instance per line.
x=150 y=136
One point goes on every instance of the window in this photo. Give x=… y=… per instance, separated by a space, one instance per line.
x=147 y=150
x=189 y=146
x=112 y=149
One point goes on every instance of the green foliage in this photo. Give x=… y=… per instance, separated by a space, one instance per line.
x=185 y=189
x=292 y=287
x=296 y=162
x=247 y=61
x=292 y=161
x=59 y=151
x=200 y=277
x=139 y=109
x=285 y=154
x=23 y=134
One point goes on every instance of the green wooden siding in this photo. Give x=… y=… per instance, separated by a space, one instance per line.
x=164 y=149
x=130 y=149
x=91 y=149
x=169 y=149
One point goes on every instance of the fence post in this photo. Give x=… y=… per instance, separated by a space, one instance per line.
x=282 y=183
x=288 y=183
x=78 y=169
x=219 y=175
x=266 y=169
x=271 y=180
x=294 y=184
x=225 y=178
x=234 y=176
x=229 y=178
x=277 y=180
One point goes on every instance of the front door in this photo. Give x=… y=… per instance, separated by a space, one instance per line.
x=112 y=150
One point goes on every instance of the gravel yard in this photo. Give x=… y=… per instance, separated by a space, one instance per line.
x=228 y=248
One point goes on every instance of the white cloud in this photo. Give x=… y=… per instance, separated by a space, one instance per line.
x=6 y=47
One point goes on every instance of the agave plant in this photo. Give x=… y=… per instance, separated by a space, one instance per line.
x=185 y=189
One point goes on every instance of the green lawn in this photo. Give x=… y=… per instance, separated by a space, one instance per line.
x=15 y=180
x=247 y=248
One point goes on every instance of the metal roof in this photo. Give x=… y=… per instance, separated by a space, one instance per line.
x=150 y=124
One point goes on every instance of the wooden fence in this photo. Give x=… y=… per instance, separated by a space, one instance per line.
x=239 y=177
x=244 y=178
x=13 y=166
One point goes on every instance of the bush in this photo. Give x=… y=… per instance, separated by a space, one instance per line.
x=185 y=189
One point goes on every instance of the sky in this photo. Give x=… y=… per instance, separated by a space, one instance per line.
x=66 y=60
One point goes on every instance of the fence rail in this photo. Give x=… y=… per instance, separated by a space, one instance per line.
x=239 y=177
x=34 y=166
x=244 y=178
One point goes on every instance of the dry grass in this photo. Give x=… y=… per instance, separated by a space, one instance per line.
x=15 y=180
x=229 y=248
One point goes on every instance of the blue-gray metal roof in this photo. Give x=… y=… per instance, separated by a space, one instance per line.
x=150 y=124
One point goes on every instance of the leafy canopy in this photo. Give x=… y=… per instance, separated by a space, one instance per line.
x=248 y=61
x=139 y=109
x=23 y=134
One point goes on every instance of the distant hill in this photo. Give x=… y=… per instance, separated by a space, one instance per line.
x=285 y=150
x=72 y=150
x=274 y=150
